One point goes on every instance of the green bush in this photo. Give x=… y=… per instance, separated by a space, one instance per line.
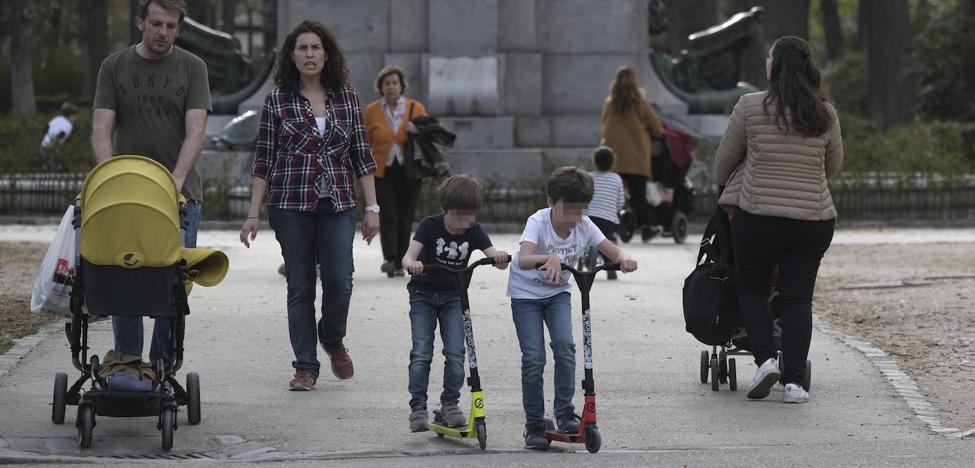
x=22 y=140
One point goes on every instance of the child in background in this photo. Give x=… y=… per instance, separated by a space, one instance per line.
x=607 y=198
x=558 y=234
x=444 y=239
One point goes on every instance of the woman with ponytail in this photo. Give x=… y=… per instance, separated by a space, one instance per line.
x=774 y=160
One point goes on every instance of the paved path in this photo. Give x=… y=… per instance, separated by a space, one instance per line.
x=652 y=407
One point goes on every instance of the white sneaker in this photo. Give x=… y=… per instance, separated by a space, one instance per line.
x=795 y=394
x=766 y=376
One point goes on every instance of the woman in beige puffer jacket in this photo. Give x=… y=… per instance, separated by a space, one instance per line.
x=780 y=147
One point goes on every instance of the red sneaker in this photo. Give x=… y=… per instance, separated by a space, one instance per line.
x=303 y=382
x=342 y=364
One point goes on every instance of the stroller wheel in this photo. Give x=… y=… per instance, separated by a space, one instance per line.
x=678 y=227
x=807 y=377
x=722 y=367
x=167 y=422
x=60 y=397
x=705 y=365
x=732 y=376
x=715 y=373
x=86 y=423
x=193 y=398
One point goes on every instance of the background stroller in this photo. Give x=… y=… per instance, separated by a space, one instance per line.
x=711 y=311
x=131 y=263
x=669 y=166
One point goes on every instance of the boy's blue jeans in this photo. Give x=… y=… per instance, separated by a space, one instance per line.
x=128 y=330
x=529 y=315
x=426 y=310
x=323 y=237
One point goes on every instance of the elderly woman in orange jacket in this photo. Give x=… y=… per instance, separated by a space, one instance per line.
x=398 y=179
x=628 y=124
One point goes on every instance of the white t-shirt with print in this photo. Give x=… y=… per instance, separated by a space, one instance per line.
x=530 y=283
x=58 y=127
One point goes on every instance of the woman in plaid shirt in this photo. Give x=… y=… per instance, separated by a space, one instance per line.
x=311 y=146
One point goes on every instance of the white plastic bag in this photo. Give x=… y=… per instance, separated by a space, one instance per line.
x=655 y=193
x=52 y=289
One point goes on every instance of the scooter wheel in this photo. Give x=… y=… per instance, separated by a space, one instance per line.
x=807 y=376
x=593 y=439
x=481 y=428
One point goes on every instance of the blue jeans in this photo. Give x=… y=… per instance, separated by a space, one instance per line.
x=128 y=330
x=529 y=315
x=323 y=237
x=426 y=309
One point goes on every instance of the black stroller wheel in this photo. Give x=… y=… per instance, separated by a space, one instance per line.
x=678 y=227
x=193 y=398
x=715 y=372
x=705 y=364
x=807 y=376
x=167 y=423
x=732 y=376
x=86 y=424
x=722 y=367
x=60 y=398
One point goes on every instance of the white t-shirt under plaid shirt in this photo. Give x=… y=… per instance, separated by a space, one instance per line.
x=608 y=197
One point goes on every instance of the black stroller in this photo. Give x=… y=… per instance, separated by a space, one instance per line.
x=711 y=308
x=669 y=167
x=130 y=263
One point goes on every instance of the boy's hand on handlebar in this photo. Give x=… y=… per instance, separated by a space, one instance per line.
x=627 y=264
x=501 y=259
x=553 y=269
x=414 y=267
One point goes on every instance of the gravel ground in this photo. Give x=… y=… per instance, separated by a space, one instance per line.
x=19 y=262
x=914 y=302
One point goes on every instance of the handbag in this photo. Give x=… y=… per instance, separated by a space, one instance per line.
x=52 y=288
x=421 y=154
x=711 y=311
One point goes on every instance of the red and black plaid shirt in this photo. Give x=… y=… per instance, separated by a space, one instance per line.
x=291 y=154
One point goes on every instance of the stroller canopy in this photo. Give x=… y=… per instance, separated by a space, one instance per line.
x=130 y=214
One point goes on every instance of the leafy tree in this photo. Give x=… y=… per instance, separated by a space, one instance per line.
x=944 y=54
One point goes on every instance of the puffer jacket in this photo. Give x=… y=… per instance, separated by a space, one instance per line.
x=769 y=172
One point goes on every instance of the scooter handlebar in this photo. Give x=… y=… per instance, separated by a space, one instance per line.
x=604 y=266
x=483 y=261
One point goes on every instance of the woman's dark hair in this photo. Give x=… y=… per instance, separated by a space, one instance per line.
x=624 y=91
x=335 y=74
x=794 y=85
x=390 y=70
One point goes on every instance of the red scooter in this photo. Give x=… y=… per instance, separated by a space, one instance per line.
x=588 y=432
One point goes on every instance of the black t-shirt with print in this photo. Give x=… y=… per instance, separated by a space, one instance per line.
x=443 y=248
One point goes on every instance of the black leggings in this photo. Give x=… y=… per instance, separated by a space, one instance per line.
x=797 y=247
x=637 y=186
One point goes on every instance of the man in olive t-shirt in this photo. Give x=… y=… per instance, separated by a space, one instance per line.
x=155 y=98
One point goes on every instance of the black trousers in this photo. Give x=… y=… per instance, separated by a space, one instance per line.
x=797 y=247
x=608 y=228
x=637 y=186
x=397 y=196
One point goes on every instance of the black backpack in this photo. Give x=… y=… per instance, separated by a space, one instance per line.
x=710 y=300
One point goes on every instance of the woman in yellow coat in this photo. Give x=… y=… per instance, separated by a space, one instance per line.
x=628 y=124
x=398 y=179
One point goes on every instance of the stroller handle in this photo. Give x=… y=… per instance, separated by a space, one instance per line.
x=471 y=267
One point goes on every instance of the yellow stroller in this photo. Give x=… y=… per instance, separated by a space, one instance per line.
x=128 y=223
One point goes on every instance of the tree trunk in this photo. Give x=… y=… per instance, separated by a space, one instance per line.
x=228 y=11
x=831 y=29
x=887 y=28
x=95 y=42
x=862 y=24
x=21 y=72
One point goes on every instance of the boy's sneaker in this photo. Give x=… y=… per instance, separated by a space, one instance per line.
x=342 y=364
x=766 y=376
x=302 y=382
x=418 y=420
x=535 y=438
x=452 y=415
x=568 y=423
x=795 y=394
